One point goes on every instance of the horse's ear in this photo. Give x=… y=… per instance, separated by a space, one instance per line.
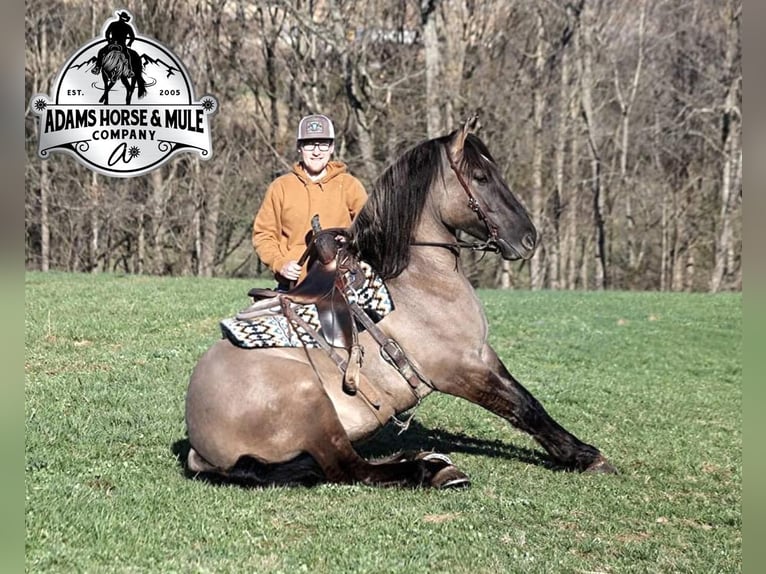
x=458 y=139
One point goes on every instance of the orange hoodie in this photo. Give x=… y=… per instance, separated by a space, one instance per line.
x=284 y=218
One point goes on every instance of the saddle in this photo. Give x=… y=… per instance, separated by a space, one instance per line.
x=324 y=287
x=332 y=271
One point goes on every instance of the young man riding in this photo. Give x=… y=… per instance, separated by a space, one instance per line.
x=119 y=35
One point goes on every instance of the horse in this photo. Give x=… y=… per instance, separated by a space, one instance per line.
x=281 y=416
x=124 y=64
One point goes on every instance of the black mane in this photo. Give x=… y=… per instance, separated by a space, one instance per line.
x=382 y=232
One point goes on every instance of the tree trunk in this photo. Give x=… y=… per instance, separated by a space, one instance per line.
x=95 y=203
x=626 y=104
x=573 y=197
x=455 y=18
x=271 y=82
x=433 y=68
x=587 y=84
x=689 y=271
x=45 y=232
x=210 y=215
x=158 y=199
x=537 y=264
x=506 y=275
x=556 y=247
x=730 y=127
x=353 y=69
x=139 y=264
x=667 y=273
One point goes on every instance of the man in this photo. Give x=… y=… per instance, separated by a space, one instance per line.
x=119 y=35
x=315 y=186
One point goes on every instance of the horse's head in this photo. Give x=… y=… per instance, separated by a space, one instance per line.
x=431 y=190
x=479 y=201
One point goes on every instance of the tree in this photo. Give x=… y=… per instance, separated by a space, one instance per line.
x=620 y=129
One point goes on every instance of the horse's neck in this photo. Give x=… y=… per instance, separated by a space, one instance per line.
x=434 y=276
x=436 y=261
x=433 y=288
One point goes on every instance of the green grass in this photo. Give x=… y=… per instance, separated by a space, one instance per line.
x=654 y=380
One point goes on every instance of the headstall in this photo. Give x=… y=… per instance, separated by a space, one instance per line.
x=491 y=244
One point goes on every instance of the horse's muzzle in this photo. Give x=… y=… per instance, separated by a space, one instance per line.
x=525 y=249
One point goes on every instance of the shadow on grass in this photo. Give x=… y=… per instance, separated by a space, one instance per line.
x=250 y=473
x=304 y=471
x=419 y=437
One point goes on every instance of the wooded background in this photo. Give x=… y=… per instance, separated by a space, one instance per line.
x=618 y=123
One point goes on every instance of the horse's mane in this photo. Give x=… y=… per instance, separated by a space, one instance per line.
x=382 y=232
x=383 y=229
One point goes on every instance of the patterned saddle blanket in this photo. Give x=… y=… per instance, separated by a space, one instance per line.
x=276 y=331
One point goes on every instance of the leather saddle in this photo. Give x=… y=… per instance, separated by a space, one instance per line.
x=324 y=287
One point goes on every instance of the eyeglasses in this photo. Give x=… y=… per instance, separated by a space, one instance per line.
x=311 y=146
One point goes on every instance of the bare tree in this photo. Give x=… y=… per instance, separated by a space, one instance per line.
x=586 y=42
x=730 y=148
x=626 y=101
x=620 y=129
x=537 y=266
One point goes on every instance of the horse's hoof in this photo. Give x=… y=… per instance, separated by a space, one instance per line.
x=450 y=477
x=600 y=466
x=436 y=456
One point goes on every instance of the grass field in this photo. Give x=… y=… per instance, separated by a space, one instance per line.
x=654 y=380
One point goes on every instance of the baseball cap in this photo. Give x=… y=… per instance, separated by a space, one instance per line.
x=316 y=126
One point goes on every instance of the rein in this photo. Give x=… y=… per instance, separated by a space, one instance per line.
x=490 y=245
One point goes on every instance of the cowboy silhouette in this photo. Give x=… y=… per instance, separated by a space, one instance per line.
x=119 y=35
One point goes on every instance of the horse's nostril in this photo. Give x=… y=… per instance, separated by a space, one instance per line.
x=529 y=241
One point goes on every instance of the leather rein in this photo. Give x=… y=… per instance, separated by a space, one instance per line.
x=490 y=245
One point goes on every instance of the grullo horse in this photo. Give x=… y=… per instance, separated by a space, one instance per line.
x=280 y=415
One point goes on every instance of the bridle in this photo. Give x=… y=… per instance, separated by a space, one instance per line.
x=491 y=245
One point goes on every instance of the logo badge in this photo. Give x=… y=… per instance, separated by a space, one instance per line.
x=123 y=105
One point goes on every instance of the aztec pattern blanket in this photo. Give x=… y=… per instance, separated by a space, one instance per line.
x=276 y=331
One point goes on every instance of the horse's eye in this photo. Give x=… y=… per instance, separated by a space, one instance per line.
x=480 y=176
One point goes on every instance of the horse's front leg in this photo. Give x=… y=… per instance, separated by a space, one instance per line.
x=130 y=86
x=330 y=447
x=489 y=384
x=108 y=84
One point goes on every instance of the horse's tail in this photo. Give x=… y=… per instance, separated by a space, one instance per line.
x=141 y=84
x=138 y=69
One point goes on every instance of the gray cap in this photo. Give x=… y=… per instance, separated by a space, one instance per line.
x=316 y=127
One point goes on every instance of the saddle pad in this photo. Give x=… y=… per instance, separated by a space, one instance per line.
x=276 y=331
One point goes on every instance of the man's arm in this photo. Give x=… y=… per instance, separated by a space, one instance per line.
x=267 y=231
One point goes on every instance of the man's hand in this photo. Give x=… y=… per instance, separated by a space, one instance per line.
x=290 y=270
